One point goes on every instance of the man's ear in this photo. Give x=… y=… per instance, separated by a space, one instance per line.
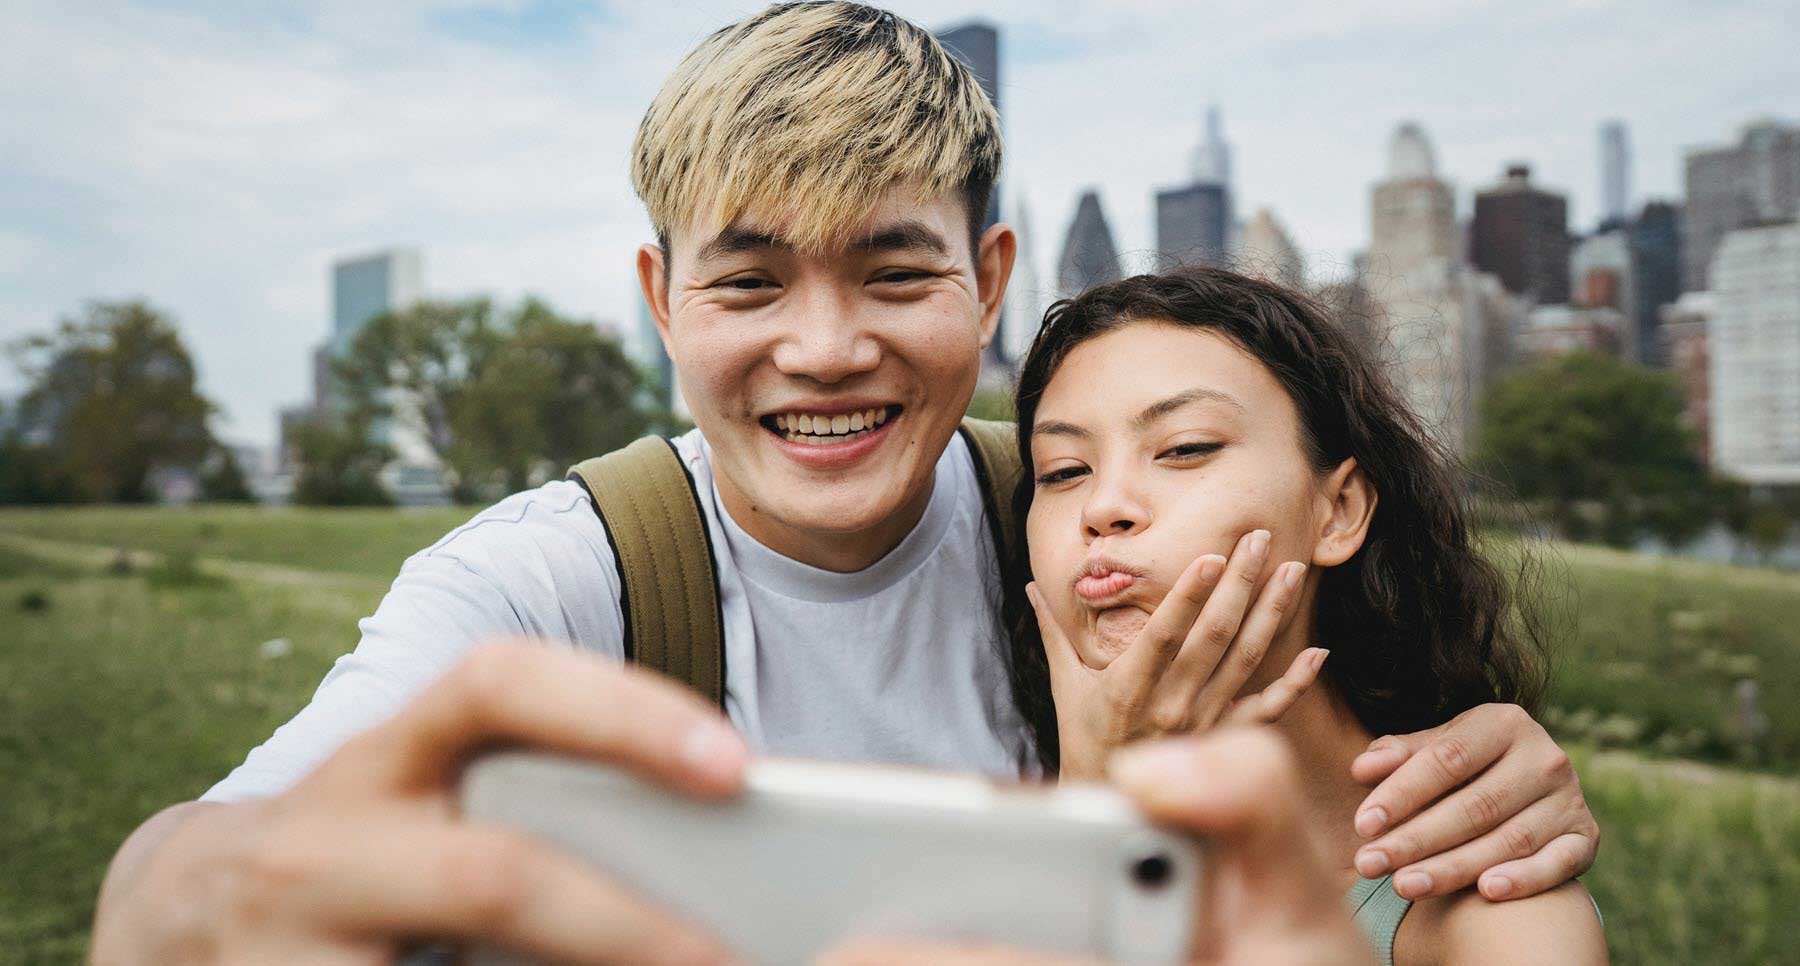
x=993 y=269
x=1348 y=501
x=653 y=274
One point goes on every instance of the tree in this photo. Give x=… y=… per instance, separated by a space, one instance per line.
x=339 y=463
x=500 y=402
x=222 y=479
x=111 y=397
x=1598 y=445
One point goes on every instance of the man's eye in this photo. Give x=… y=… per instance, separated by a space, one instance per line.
x=901 y=277
x=1063 y=475
x=747 y=284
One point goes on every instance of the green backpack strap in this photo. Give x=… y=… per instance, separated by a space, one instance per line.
x=995 y=446
x=668 y=579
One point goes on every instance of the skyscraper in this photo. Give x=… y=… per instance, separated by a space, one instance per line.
x=1756 y=180
x=1265 y=250
x=1193 y=225
x=1440 y=327
x=977 y=44
x=1088 y=255
x=1520 y=233
x=1655 y=275
x=1025 y=293
x=364 y=287
x=1413 y=212
x=1615 y=173
x=1754 y=348
x=1602 y=273
x=1211 y=163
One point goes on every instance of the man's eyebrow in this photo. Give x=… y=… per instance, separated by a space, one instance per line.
x=902 y=236
x=1158 y=410
x=733 y=240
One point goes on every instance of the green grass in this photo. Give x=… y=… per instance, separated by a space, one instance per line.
x=1697 y=864
x=351 y=541
x=121 y=694
x=1660 y=649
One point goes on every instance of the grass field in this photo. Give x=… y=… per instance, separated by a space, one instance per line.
x=123 y=692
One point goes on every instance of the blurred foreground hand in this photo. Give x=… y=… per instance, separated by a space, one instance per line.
x=1268 y=895
x=367 y=854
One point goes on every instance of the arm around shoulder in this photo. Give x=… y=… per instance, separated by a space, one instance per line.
x=1560 y=926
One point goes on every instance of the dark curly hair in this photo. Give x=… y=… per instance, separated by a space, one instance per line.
x=1421 y=624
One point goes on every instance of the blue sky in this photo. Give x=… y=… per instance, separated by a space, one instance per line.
x=216 y=157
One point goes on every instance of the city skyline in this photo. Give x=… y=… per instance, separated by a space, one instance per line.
x=252 y=152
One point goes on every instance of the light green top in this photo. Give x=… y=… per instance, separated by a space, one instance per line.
x=1378 y=910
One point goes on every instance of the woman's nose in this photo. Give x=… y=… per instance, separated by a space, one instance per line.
x=1113 y=510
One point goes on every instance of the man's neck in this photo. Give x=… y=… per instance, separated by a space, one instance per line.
x=834 y=550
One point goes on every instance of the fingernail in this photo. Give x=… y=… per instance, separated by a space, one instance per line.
x=1319 y=656
x=1370 y=863
x=1496 y=887
x=715 y=749
x=1294 y=572
x=1370 y=821
x=1211 y=566
x=1412 y=885
x=1259 y=544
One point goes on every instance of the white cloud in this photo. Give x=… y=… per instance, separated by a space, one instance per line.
x=217 y=160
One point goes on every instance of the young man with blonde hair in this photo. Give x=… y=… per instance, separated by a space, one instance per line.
x=816 y=176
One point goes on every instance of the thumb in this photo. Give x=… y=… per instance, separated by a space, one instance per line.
x=1240 y=789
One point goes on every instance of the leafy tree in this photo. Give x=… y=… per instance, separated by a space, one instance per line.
x=222 y=479
x=112 y=397
x=339 y=463
x=502 y=402
x=1598 y=445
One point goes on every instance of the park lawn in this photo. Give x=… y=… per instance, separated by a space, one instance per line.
x=369 y=542
x=1660 y=650
x=120 y=694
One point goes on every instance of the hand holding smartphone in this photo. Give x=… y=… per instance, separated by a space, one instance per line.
x=815 y=854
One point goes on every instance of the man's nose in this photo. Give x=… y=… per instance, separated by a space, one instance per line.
x=1113 y=508
x=826 y=341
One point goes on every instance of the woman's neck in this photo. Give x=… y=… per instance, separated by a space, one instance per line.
x=1326 y=737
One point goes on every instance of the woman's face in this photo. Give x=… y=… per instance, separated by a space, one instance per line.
x=1152 y=445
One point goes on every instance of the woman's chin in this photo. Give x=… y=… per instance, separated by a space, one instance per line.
x=1114 y=631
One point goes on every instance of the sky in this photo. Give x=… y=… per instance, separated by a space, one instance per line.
x=215 y=157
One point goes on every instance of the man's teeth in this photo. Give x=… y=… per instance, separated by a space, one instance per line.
x=807 y=428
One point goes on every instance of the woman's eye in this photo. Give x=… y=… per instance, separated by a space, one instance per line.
x=1190 y=450
x=1061 y=476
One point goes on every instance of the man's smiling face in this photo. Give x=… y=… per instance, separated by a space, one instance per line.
x=828 y=384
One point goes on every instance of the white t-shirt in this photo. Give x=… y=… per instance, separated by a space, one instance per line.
x=899 y=663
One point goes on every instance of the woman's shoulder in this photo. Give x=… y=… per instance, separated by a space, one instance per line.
x=1557 y=926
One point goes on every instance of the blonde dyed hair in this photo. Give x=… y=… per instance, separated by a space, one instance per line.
x=805 y=114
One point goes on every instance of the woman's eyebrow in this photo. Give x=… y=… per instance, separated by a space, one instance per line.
x=1158 y=410
x=1057 y=427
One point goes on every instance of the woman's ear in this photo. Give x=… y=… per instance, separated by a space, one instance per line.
x=1348 y=500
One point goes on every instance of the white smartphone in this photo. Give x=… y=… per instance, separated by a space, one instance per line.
x=814 y=854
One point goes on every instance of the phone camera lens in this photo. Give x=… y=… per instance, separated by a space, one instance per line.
x=1152 y=871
